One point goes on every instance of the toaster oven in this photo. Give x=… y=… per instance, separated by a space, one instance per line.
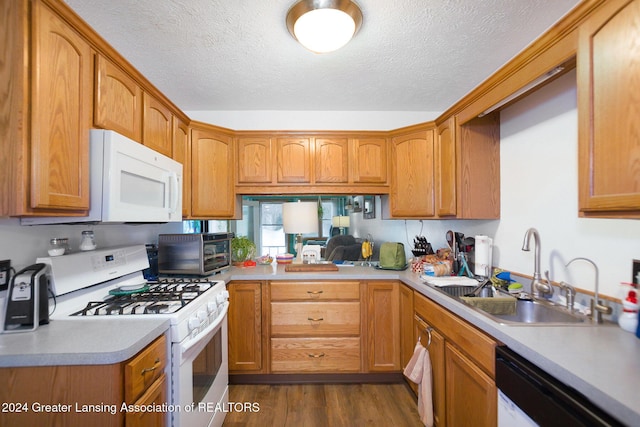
x=194 y=254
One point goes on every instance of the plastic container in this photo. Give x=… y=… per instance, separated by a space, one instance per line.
x=628 y=319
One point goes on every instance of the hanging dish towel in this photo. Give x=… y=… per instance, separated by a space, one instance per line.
x=418 y=370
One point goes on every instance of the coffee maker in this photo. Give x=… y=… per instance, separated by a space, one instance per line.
x=27 y=303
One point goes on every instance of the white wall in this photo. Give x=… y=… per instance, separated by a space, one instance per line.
x=538 y=157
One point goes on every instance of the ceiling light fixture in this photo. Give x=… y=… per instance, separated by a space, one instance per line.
x=324 y=25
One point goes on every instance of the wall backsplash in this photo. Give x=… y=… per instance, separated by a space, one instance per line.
x=23 y=244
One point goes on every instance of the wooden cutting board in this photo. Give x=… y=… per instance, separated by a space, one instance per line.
x=310 y=267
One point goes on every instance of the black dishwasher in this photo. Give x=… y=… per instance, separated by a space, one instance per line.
x=544 y=399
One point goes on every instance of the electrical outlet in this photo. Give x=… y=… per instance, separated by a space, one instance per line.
x=5 y=268
x=635 y=272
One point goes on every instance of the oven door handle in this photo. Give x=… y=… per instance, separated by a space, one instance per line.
x=204 y=336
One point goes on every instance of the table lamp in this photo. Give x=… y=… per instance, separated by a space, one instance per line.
x=341 y=222
x=299 y=218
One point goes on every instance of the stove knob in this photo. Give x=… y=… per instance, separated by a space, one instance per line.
x=212 y=307
x=222 y=297
x=202 y=315
x=193 y=324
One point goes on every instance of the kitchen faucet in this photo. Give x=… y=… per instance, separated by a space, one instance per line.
x=538 y=288
x=597 y=309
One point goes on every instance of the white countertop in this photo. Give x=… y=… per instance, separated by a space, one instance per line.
x=80 y=342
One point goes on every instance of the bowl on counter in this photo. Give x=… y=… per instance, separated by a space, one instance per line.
x=284 y=258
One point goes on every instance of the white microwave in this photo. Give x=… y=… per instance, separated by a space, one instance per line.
x=129 y=183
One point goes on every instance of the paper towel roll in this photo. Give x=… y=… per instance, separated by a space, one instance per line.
x=483 y=252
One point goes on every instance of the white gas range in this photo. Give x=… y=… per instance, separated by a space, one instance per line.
x=109 y=282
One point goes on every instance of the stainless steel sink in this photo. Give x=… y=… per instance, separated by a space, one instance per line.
x=528 y=312
x=539 y=312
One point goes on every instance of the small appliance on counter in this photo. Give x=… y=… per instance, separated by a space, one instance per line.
x=194 y=254
x=27 y=302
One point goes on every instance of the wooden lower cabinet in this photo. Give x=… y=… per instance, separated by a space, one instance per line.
x=462 y=361
x=315 y=354
x=383 y=326
x=245 y=327
x=155 y=395
x=86 y=395
x=315 y=327
x=471 y=395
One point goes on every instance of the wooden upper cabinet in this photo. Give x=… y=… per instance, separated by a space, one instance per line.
x=254 y=160
x=445 y=163
x=212 y=178
x=331 y=160
x=478 y=171
x=61 y=86
x=294 y=160
x=157 y=120
x=608 y=105
x=118 y=100
x=182 y=154
x=368 y=160
x=412 y=175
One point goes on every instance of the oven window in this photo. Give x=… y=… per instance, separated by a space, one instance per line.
x=217 y=254
x=206 y=366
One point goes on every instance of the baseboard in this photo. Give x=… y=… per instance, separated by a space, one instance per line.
x=387 y=377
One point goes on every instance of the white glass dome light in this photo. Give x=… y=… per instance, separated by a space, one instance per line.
x=324 y=26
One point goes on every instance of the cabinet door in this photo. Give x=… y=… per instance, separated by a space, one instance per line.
x=471 y=394
x=212 y=192
x=118 y=100
x=294 y=160
x=254 y=160
x=331 y=160
x=407 y=340
x=61 y=114
x=369 y=160
x=608 y=104
x=383 y=329
x=155 y=395
x=156 y=125
x=182 y=154
x=412 y=164
x=245 y=326
x=445 y=163
x=435 y=344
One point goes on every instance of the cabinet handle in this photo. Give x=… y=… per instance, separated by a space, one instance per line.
x=315 y=319
x=316 y=356
x=151 y=369
x=313 y=293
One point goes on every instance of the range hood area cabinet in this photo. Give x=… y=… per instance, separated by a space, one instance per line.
x=608 y=104
x=121 y=104
x=450 y=170
x=311 y=163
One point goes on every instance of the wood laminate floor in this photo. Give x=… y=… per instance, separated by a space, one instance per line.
x=323 y=405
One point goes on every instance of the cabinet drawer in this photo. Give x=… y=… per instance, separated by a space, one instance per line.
x=315 y=291
x=473 y=342
x=315 y=354
x=315 y=318
x=141 y=371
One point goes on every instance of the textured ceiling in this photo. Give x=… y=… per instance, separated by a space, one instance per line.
x=409 y=55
